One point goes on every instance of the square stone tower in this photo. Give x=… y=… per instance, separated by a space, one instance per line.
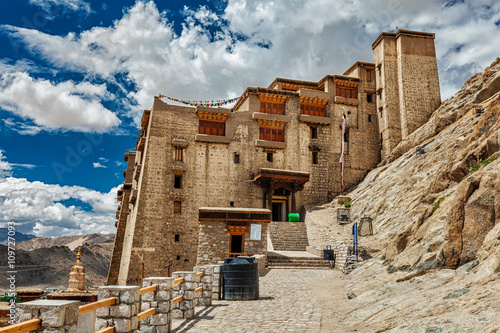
x=407 y=84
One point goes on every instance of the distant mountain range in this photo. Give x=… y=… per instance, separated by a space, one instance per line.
x=47 y=262
x=19 y=237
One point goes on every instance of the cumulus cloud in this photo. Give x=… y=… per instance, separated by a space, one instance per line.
x=39 y=208
x=66 y=105
x=252 y=42
x=98 y=165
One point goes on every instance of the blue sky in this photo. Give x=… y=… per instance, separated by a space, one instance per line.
x=76 y=75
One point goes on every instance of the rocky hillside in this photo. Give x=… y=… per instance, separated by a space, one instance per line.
x=436 y=208
x=47 y=262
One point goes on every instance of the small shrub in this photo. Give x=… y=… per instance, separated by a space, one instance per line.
x=485 y=162
x=347 y=204
x=438 y=202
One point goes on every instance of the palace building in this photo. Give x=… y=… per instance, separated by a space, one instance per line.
x=208 y=180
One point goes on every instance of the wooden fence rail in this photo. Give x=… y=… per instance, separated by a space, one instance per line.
x=25 y=326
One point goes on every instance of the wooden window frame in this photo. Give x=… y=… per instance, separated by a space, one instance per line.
x=272 y=108
x=315 y=157
x=177 y=181
x=272 y=134
x=346 y=92
x=368 y=75
x=178 y=153
x=177 y=207
x=207 y=127
x=314 y=132
x=313 y=110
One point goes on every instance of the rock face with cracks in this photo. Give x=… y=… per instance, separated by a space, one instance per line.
x=435 y=204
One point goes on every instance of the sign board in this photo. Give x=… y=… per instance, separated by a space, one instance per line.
x=255 y=232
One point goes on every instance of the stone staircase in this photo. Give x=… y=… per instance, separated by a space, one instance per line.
x=295 y=259
x=289 y=236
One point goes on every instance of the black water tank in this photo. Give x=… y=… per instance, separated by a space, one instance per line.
x=241 y=278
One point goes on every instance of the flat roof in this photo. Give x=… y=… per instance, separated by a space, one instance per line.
x=235 y=210
x=402 y=32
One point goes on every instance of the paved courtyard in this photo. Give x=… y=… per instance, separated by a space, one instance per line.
x=290 y=301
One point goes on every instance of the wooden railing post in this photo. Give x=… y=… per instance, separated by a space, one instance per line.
x=161 y=300
x=123 y=314
x=185 y=308
x=56 y=315
x=204 y=298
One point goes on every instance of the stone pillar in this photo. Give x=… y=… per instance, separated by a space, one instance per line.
x=216 y=281
x=205 y=297
x=56 y=315
x=270 y=196
x=161 y=299
x=122 y=315
x=185 y=308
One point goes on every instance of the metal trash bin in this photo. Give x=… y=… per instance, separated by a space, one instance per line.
x=241 y=279
x=328 y=253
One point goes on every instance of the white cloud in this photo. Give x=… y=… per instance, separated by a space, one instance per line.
x=65 y=105
x=256 y=41
x=99 y=165
x=53 y=7
x=39 y=208
x=103 y=159
x=5 y=166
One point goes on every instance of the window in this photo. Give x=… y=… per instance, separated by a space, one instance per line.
x=315 y=157
x=177 y=207
x=313 y=110
x=314 y=132
x=178 y=153
x=177 y=238
x=369 y=98
x=346 y=92
x=212 y=128
x=272 y=108
x=368 y=75
x=346 y=136
x=231 y=203
x=177 y=181
x=178 y=257
x=369 y=118
x=271 y=134
x=270 y=157
x=236 y=158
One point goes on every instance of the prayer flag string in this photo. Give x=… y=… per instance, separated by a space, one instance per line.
x=208 y=104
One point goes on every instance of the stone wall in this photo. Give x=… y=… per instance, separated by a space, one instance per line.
x=261 y=261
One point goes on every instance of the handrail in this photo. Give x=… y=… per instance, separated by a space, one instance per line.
x=83 y=309
x=179 y=280
x=22 y=327
x=198 y=290
x=177 y=299
x=149 y=289
x=107 y=330
x=145 y=314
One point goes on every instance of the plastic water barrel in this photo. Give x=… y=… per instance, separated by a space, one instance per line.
x=241 y=278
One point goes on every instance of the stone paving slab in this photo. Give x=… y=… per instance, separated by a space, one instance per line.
x=286 y=304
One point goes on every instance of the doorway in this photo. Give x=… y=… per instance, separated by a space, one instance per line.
x=236 y=245
x=277 y=211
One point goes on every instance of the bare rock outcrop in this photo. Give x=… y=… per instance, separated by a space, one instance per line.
x=435 y=204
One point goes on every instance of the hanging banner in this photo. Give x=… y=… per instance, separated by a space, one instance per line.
x=208 y=104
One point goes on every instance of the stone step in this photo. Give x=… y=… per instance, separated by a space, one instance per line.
x=295 y=267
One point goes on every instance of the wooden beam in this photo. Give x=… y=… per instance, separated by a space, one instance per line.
x=148 y=289
x=145 y=314
x=179 y=280
x=106 y=330
x=198 y=290
x=199 y=274
x=25 y=326
x=83 y=309
x=177 y=299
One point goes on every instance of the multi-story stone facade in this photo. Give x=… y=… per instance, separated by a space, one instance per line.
x=278 y=148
